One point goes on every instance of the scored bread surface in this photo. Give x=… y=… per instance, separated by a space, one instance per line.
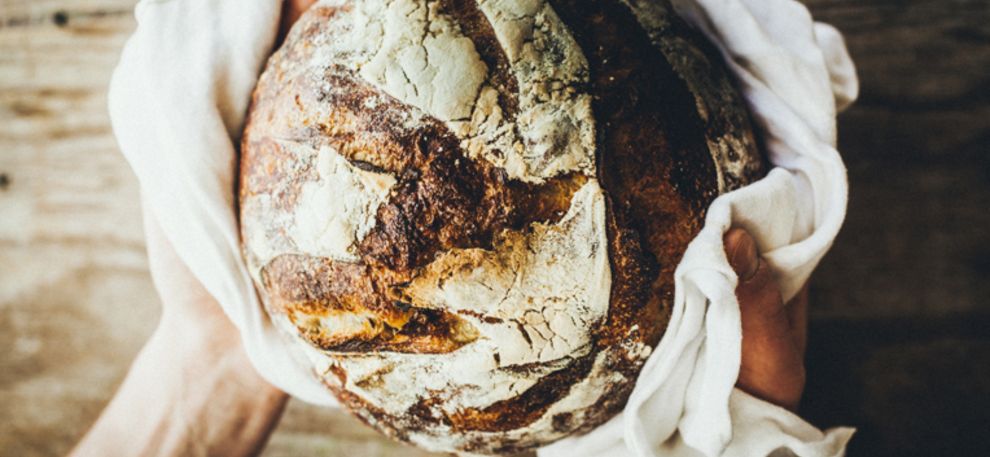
x=468 y=213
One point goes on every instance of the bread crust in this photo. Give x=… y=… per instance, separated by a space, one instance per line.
x=671 y=135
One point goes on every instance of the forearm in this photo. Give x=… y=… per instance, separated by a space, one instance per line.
x=191 y=393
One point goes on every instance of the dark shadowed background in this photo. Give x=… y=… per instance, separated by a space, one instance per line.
x=900 y=330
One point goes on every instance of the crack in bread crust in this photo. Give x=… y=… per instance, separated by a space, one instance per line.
x=423 y=330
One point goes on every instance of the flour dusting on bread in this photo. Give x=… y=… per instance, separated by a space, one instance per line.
x=467 y=213
x=412 y=51
x=535 y=298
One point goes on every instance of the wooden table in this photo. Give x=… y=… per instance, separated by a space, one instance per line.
x=900 y=333
x=900 y=345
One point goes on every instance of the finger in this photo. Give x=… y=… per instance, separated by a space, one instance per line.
x=740 y=248
x=772 y=368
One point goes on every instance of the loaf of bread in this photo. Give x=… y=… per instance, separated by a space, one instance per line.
x=469 y=212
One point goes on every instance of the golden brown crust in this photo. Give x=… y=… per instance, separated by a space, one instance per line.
x=653 y=162
x=660 y=104
x=306 y=288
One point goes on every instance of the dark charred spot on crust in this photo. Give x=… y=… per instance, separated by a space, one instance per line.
x=339 y=373
x=367 y=166
x=455 y=203
x=442 y=200
x=563 y=422
x=547 y=202
x=426 y=410
x=483 y=318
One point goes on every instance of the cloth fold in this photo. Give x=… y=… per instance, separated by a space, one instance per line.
x=180 y=93
x=795 y=75
x=177 y=103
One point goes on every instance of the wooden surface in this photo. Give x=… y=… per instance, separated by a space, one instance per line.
x=900 y=333
x=900 y=345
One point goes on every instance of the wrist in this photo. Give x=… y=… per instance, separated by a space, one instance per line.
x=200 y=394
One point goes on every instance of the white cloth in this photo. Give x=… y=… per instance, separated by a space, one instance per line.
x=178 y=100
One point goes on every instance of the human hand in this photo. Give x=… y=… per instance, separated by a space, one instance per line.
x=774 y=334
x=192 y=390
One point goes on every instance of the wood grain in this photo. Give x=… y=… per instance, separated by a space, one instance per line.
x=898 y=341
x=76 y=301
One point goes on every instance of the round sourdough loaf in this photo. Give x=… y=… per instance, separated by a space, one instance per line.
x=469 y=212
